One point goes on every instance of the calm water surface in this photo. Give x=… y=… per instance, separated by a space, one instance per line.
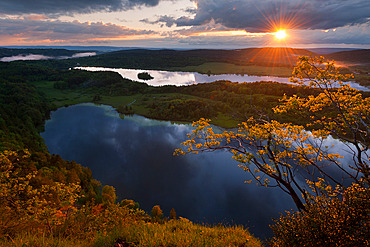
x=135 y=156
x=189 y=78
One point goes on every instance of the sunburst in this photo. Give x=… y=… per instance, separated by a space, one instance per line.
x=281 y=34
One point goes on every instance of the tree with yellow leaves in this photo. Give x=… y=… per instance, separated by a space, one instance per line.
x=338 y=110
x=282 y=154
x=23 y=203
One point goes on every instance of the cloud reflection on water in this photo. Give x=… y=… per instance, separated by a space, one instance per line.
x=135 y=156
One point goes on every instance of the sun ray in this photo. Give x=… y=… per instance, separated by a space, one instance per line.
x=277 y=21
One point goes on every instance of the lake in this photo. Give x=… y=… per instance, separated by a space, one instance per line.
x=135 y=155
x=162 y=78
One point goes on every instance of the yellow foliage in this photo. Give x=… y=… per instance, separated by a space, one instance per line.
x=340 y=220
x=24 y=204
x=338 y=109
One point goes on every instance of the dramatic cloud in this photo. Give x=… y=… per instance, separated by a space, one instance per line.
x=265 y=15
x=38 y=30
x=166 y=20
x=223 y=41
x=219 y=36
x=358 y=34
x=179 y=23
x=69 y=6
x=209 y=27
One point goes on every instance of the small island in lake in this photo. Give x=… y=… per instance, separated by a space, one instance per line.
x=145 y=76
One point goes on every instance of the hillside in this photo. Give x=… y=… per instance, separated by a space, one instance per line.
x=329 y=50
x=354 y=57
x=174 y=58
x=164 y=59
x=356 y=62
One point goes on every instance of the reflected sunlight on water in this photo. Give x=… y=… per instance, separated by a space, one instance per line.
x=162 y=78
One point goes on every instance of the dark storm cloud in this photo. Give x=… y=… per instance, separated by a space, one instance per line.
x=167 y=20
x=31 y=29
x=264 y=15
x=69 y=6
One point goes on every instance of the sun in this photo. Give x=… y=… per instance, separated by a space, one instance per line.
x=281 y=34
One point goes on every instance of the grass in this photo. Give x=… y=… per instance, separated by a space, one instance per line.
x=63 y=97
x=142 y=101
x=39 y=240
x=139 y=102
x=224 y=121
x=227 y=68
x=181 y=232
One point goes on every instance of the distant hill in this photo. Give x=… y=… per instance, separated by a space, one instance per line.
x=109 y=56
x=161 y=59
x=82 y=48
x=169 y=58
x=354 y=57
x=330 y=50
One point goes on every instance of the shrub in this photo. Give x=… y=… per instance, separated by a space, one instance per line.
x=340 y=220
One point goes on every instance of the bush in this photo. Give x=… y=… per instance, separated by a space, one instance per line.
x=342 y=220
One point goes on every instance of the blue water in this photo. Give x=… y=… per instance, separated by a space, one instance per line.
x=134 y=155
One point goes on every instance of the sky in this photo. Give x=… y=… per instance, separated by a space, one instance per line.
x=186 y=23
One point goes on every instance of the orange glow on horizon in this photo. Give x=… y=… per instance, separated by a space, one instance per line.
x=229 y=33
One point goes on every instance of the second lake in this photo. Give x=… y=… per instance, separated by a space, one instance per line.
x=161 y=78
